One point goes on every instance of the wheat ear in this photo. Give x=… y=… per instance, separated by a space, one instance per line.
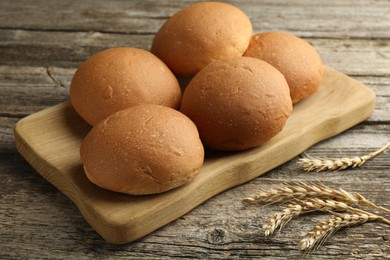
x=301 y=191
x=322 y=231
x=318 y=164
x=280 y=219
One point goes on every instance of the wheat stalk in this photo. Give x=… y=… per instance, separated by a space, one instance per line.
x=280 y=219
x=316 y=197
x=318 y=164
x=322 y=231
x=302 y=191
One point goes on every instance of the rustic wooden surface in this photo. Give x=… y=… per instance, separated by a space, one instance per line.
x=43 y=42
x=50 y=141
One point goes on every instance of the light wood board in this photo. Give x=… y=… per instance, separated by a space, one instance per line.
x=49 y=140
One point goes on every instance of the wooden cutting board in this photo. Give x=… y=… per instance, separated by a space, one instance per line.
x=50 y=139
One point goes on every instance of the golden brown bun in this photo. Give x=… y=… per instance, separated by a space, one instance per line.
x=144 y=149
x=201 y=33
x=237 y=103
x=298 y=61
x=118 y=78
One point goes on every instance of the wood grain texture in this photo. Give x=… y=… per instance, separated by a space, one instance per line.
x=305 y=18
x=50 y=141
x=37 y=221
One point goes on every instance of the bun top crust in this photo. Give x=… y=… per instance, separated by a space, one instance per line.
x=118 y=78
x=144 y=149
x=295 y=58
x=201 y=33
x=237 y=103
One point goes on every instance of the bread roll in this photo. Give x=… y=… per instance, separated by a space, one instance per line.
x=143 y=149
x=201 y=33
x=295 y=58
x=117 y=78
x=237 y=103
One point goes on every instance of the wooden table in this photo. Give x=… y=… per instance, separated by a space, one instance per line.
x=43 y=42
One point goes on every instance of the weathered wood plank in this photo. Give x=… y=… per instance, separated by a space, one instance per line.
x=27 y=89
x=37 y=48
x=363 y=18
x=20 y=47
x=356 y=57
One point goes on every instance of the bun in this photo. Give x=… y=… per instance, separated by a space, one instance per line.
x=201 y=33
x=144 y=149
x=295 y=58
x=237 y=103
x=118 y=78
